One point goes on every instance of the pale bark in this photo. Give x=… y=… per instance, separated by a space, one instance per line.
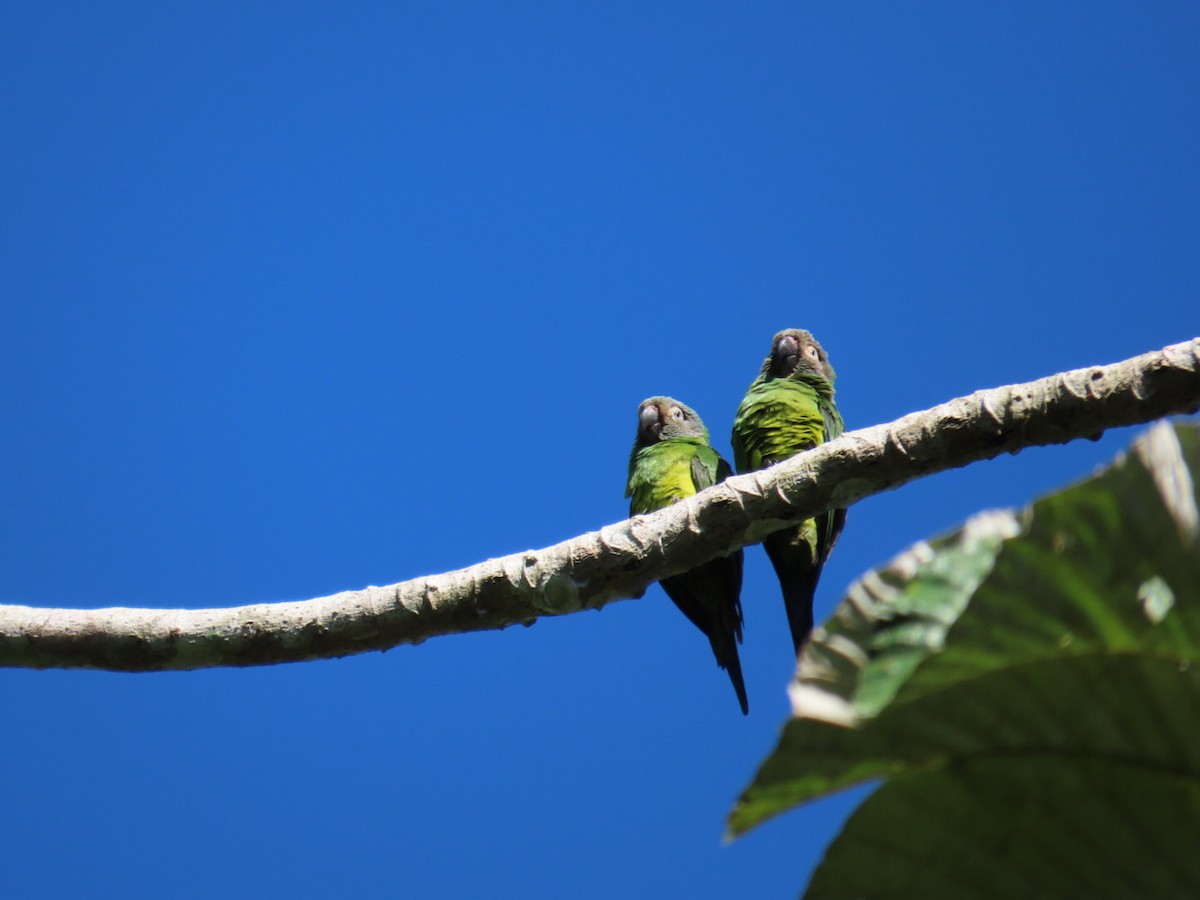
x=620 y=560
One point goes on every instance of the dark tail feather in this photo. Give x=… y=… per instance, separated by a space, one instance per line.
x=725 y=650
x=708 y=596
x=798 y=574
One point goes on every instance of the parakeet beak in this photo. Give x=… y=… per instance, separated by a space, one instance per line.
x=787 y=354
x=650 y=421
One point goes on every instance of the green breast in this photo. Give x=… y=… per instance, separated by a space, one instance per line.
x=660 y=475
x=776 y=419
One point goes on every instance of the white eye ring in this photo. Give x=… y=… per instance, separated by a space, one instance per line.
x=676 y=412
x=811 y=351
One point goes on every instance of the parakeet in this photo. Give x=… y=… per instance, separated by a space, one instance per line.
x=790 y=408
x=671 y=459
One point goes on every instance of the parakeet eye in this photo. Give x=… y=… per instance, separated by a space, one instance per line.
x=676 y=413
x=812 y=353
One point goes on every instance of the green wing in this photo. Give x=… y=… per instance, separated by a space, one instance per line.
x=830 y=525
x=709 y=468
x=834 y=426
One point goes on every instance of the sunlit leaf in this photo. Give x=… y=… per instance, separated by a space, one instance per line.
x=1029 y=688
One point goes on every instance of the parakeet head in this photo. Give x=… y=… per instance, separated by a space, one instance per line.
x=796 y=352
x=664 y=418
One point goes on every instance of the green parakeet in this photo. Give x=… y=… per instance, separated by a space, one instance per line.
x=671 y=459
x=790 y=408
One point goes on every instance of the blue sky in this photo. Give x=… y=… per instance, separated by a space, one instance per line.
x=296 y=299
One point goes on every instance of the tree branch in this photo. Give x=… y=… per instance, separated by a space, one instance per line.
x=621 y=560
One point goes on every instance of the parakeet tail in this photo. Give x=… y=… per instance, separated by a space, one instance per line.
x=798 y=574
x=733 y=665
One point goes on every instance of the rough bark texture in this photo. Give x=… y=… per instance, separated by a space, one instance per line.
x=621 y=560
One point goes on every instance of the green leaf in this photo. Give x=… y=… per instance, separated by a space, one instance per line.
x=1029 y=687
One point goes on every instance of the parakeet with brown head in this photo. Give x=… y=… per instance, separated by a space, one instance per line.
x=789 y=408
x=672 y=459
